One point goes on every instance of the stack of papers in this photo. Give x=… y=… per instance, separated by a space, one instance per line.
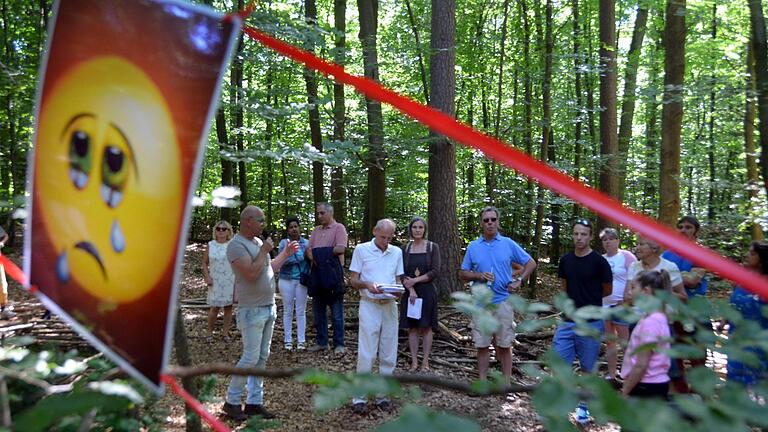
x=391 y=291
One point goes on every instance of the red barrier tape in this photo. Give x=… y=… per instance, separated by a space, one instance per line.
x=193 y=403
x=526 y=165
x=12 y=270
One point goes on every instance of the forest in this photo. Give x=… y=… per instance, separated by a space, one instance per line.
x=662 y=105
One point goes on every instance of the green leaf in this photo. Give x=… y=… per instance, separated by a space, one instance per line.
x=419 y=419
x=52 y=408
x=703 y=380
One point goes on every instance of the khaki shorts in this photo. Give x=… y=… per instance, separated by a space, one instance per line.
x=504 y=334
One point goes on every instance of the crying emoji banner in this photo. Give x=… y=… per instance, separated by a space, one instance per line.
x=124 y=105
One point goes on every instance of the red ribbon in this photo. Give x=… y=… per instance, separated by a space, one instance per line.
x=193 y=403
x=526 y=165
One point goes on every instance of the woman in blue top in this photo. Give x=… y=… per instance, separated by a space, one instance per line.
x=294 y=294
x=750 y=306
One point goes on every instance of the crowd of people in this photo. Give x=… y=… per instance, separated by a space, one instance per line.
x=397 y=291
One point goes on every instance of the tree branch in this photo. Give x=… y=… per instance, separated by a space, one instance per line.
x=430 y=380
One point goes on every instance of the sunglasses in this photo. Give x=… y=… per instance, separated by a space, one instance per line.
x=222 y=228
x=584 y=222
x=486 y=220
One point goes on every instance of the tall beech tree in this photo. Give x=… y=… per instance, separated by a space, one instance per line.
x=672 y=111
x=377 y=158
x=441 y=186
x=609 y=144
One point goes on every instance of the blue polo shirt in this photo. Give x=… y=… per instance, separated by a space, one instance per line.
x=495 y=256
x=685 y=266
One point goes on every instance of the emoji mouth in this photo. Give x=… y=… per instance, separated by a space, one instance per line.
x=91 y=250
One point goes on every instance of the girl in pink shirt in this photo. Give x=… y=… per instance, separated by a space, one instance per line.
x=646 y=363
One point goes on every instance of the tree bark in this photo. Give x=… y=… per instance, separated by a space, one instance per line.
x=546 y=129
x=609 y=144
x=236 y=104
x=441 y=185
x=377 y=158
x=310 y=78
x=226 y=164
x=339 y=110
x=753 y=178
x=711 y=211
x=184 y=358
x=760 y=50
x=578 y=60
x=630 y=86
x=422 y=69
x=672 y=112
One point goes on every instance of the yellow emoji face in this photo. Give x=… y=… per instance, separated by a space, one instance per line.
x=107 y=179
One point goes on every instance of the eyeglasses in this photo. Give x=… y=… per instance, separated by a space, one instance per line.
x=486 y=220
x=221 y=228
x=259 y=220
x=584 y=222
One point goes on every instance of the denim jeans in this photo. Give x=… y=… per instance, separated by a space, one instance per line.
x=256 y=325
x=568 y=345
x=320 y=306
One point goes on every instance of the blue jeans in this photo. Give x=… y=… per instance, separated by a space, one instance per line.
x=319 y=307
x=568 y=345
x=256 y=324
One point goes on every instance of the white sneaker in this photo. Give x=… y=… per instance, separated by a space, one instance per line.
x=301 y=346
x=289 y=346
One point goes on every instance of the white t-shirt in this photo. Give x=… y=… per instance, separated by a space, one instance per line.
x=373 y=265
x=671 y=268
x=620 y=264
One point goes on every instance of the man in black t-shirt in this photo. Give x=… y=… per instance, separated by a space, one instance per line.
x=586 y=277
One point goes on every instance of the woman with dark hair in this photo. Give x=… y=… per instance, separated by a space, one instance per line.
x=293 y=293
x=421 y=263
x=750 y=305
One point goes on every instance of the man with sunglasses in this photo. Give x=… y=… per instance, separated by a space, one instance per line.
x=489 y=261
x=586 y=277
x=256 y=310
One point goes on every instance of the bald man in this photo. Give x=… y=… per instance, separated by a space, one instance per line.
x=256 y=311
x=375 y=263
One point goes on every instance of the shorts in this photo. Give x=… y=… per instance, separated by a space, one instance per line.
x=505 y=332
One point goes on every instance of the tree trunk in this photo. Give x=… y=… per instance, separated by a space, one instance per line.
x=609 y=144
x=578 y=59
x=442 y=152
x=672 y=112
x=528 y=102
x=422 y=69
x=760 y=50
x=339 y=110
x=753 y=178
x=310 y=78
x=711 y=151
x=628 y=101
x=546 y=92
x=236 y=104
x=226 y=164
x=184 y=358
x=377 y=158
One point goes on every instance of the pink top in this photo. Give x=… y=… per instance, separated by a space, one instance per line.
x=331 y=236
x=652 y=329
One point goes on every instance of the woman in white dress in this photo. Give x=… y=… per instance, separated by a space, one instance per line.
x=616 y=330
x=219 y=277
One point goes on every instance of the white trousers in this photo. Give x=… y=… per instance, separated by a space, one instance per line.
x=294 y=295
x=377 y=335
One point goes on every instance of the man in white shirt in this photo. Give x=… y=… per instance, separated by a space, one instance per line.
x=376 y=263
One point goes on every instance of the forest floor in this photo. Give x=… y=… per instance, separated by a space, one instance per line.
x=453 y=358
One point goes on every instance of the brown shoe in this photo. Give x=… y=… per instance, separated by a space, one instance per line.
x=258 y=410
x=235 y=412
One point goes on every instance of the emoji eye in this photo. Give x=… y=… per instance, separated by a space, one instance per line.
x=80 y=158
x=114 y=175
